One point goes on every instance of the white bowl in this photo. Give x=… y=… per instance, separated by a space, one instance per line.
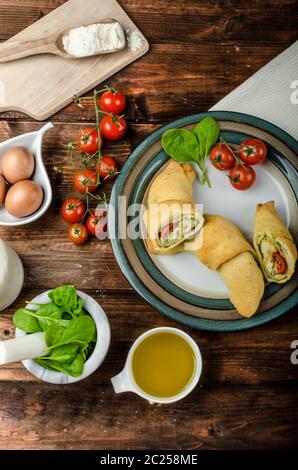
x=97 y=357
x=33 y=142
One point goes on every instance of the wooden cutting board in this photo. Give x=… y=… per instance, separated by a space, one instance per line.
x=41 y=85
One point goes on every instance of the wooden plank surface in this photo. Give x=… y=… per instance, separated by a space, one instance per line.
x=200 y=50
x=62 y=78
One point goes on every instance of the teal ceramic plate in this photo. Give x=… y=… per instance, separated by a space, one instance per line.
x=176 y=285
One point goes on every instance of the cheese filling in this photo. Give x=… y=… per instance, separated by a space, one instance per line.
x=268 y=247
x=178 y=229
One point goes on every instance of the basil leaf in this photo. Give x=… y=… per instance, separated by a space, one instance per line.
x=49 y=310
x=63 y=354
x=75 y=368
x=180 y=144
x=79 y=310
x=84 y=354
x=65 y=297
x=45 y=364
x=87 y=349
x=207 y=132
x=70 y=331
x=54 y=335
x=79 y=330
x=23 y=320
x=48 y=315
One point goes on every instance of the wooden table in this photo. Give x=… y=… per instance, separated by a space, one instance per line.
x=200 y=51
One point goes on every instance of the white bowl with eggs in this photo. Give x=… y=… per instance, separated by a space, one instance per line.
x=29 y=193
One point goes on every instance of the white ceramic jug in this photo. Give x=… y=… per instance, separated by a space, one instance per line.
x=11 y=275
x=125 y=382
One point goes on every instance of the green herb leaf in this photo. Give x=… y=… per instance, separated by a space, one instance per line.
x=54 y=335
x=48 y=315
x=87 y=349
x=75 y=368
x=70 y=331
x=45 y=364
x=181 y=145
x=79 y=330
x=207 y=132
x=25 y=321
x=79 y=308
x=63 y=354
x=65 y=297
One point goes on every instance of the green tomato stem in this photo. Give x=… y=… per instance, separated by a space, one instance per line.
x=98 y=133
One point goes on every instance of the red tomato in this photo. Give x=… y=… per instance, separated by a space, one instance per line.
x=242 y=176
x=280 y=264
x=113 y=127
x=108 y=168
x=73 y=210
x=78 y=234
x=222 y=158
x=88 y=140
x=97 y=224
x=112 y=101
x=253 y=151
x=85 y=181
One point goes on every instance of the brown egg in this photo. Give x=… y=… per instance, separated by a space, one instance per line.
x=2 y=190
x=17 y=164
x=23 y=198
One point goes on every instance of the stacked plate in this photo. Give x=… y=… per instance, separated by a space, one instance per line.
x=179 y=286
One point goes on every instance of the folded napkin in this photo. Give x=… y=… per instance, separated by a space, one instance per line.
x=271 y=93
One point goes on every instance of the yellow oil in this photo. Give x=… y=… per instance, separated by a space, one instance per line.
x=163 y=364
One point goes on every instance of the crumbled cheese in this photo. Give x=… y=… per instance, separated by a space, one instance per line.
x=93 y=39
x=135 y=40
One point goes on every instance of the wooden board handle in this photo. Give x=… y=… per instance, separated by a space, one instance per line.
x=17 y=50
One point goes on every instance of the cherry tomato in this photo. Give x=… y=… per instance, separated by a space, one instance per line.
x=280 y=264
x=85 y=180
x=222 y=158
x=242 y=176
x=97 y=224
x=78 y=233
x=113 y=127
x=73 y=210
x=88 y=140
x=108 y=168
x=112 y=101
x=253 y=151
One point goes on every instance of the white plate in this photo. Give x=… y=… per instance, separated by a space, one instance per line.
x=237 y=206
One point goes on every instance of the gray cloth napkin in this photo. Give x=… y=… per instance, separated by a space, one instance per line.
x=271 y=93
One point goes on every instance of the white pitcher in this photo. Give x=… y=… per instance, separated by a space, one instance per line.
x=11 y=275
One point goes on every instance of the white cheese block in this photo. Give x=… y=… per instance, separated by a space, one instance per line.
x=92 y=39
x=11 y=275
x=24 y=347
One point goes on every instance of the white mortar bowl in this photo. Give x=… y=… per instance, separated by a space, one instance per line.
x=103 y=338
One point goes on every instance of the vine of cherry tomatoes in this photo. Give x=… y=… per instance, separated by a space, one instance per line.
x=239 y=164
x=89 y=177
